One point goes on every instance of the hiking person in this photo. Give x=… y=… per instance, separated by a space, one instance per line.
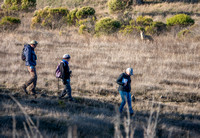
x=65 y=76
x=30 y=62
x=124 y=81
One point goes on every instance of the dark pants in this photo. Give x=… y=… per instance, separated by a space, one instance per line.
x=67 y=90
x=32 y=81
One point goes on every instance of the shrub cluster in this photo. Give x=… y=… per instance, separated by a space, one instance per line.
x=72 y=19
x=145 y=24
x=107 y=26
x=84 y=12
x=156 y=28
x=9 y=23
x=181 y=20
x=144 y=21
x=18 y=4
x=116 y=5
x=50 y=18
x=57 y=17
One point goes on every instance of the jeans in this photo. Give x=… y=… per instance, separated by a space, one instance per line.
x=67 y=90
x=126 y=96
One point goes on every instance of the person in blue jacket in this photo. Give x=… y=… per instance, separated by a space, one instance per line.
x=30 y=62
x=124 y=81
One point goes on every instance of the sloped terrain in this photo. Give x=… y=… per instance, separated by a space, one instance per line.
x=89 y=117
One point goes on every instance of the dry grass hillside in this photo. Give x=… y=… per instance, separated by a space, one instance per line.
x=166 y=80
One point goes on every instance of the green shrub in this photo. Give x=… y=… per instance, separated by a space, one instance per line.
x=156 y=28
x=181 y=20
x=9 y=23
x=85 y=12
x=116 y=5
x=18 y=4
x=144 y=21
x=72 y=16
x=82 y=29
x=107 y=26
x=132 y=22
x=130 y=29
x=50 y=18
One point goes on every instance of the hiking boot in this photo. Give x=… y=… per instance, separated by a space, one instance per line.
x=131 y=114
x=61 y=97
x=24 y=89
x=33 y=92
x=71 y=99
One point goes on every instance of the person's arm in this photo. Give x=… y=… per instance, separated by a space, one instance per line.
x=119 y=80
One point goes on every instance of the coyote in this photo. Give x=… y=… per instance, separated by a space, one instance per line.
x=145 y=37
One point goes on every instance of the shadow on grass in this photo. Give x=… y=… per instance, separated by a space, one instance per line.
x=91 y=117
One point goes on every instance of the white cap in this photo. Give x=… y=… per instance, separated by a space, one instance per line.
x=130 y=70
x=66 y=56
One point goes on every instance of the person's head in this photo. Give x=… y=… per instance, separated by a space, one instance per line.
x=66 y=57
x=33 y=43
x=129 y=71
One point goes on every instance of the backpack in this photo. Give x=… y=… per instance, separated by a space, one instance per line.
x=57 y=72
x=22 y=54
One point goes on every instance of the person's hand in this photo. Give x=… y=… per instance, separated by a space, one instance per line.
x=70 y=72
x=32 y=68
x=64 y=82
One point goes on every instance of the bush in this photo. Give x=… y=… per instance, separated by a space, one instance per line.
x=130 y=29
x=156 y=28
x=116 y=5
x=85 y=12
x=181 y=20
x=72 y=16
x=9 y=23
x=50 y=18
x=144 y=21
x=107 y=26
x=18 y=4
x=82 y=29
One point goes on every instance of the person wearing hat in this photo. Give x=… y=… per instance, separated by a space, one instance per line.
x=65 y=73
x=124 y=81
x=30 y=62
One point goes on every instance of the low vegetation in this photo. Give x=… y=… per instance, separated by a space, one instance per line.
x=144 y=21
x=107 y=26
x=19 y=4
x=50 y=18
x=180 y=20
x=116 y=5
x=9 y=23
x=85 y=12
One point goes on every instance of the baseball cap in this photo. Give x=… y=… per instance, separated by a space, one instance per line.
x=130 y=70
x=33 y=42
x=66 y=56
